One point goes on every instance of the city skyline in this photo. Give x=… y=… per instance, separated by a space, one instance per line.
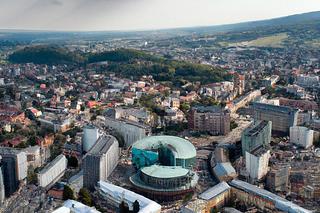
x=109 y=15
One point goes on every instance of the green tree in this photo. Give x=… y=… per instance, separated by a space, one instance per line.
x=85 y=197
x=136 y=206
x=123 y=207
x=68 y=193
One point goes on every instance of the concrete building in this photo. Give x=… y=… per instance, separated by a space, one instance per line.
x=129 y=130
x=90 y=137
x=53 y=171
x=308 y=80
x=100 y=161
x=14 y=167
x=278 y=179
x=257 y=134
x=282 y=117
x=211 y=119
x=257 y=163
x=33 y=156
x=224 y=171
x=301 y=136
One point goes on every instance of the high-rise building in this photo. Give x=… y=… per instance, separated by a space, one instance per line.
x=257 y=134
x=301 y=136
x=282 y=117
x=90 y=137
x=100 y=161
x=14 y=167
x=211 y=119
x=257 y=163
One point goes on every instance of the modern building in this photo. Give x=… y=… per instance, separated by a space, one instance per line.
x=282 y=117
x=257 y=163
x=212 y=119
x=301 y=136
x=164 y=150
x=100 y=161
x=257 y=134
x=130 y=131
x=164 y=164
x=308 y=80
x=90 y=137
x=14 y=168
x=115 y=195
x=164 y=182
x=52 y=172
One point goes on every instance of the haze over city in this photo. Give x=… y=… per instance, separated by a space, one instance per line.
x=105 y=15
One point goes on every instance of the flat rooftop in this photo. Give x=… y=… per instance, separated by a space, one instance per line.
x=102 y=145
x=183 y=148
x=256 y=128
x=165 y=171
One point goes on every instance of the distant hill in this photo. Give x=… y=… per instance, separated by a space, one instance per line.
x=45 y=55
x=61 y=37
x=276 y=22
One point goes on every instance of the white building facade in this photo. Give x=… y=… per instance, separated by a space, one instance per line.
x=301 y=136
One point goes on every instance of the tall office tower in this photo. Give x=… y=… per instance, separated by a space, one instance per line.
x=14 y=167
x=257 y=134
x=212 y=119
x=100 y=161
x=282 y=117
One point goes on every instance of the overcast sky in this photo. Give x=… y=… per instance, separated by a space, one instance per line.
x=141 y=14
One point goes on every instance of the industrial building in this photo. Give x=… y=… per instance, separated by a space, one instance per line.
x=52 y=172
x=257 y=134
x=212 y=119
x=257 y=163
x=90 y=137
x=282 y=117
x=164 y=150
x=263 y=199
x=115 y=195
x=130 y=131
x=100 y=161
x=301 y=136
x=14 y=168
x=164 y=164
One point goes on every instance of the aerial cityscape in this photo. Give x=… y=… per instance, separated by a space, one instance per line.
x=121 y=106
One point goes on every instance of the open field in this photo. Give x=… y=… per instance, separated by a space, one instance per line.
x=268 y=41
